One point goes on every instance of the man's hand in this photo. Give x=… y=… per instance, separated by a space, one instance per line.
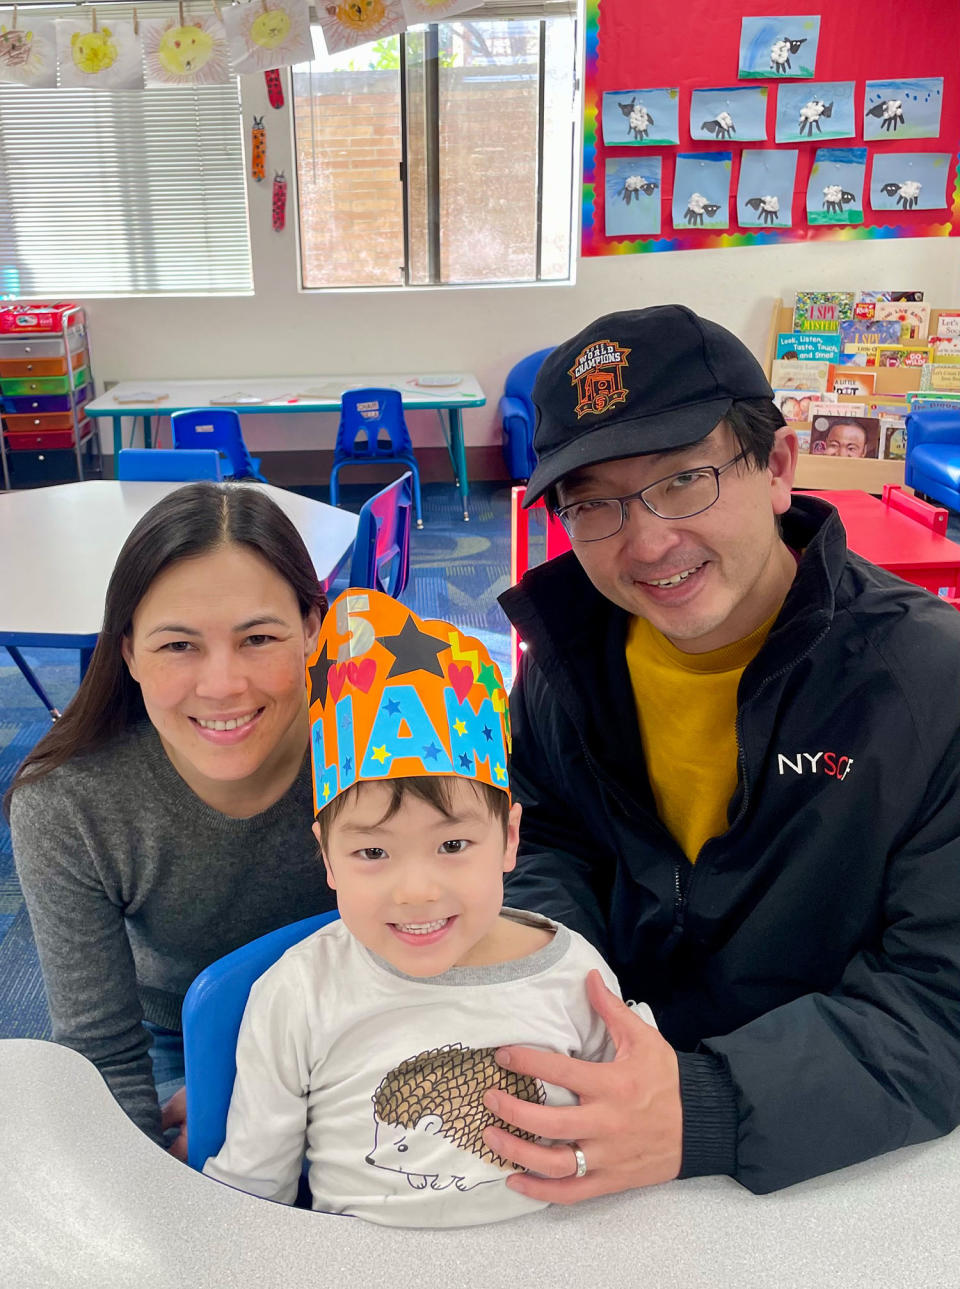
x=629 y=1123
x=173 y=1114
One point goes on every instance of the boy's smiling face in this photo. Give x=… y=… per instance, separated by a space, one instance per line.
x=422 y=890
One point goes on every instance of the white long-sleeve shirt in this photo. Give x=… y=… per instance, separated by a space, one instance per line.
x=381 y=1076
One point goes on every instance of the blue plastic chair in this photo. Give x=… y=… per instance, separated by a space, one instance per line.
x=168 y=464
x=212 y=1012
x=518 y=415
x=381 y=549
x=219 y=428
x=366 y=414
x=933 y=455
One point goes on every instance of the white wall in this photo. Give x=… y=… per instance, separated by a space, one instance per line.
x=281 y=331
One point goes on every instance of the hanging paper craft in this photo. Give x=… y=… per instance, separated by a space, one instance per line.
x=641 y=117
x=909 y=180
x=632 y=196
x=821 y=111
x=28 y=54
x=765 y=190
x=701 y=190
x=268 y=33
x=258 y=150
x=274 y=87
x=279 y=201
x=347 y=23
x=902 y=109
x=418 y=11
x=775 y=46
x=108 y=58
x=737 y=114
x=835 y=190
x=189 y=52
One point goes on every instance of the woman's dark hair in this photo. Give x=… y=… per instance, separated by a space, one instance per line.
x=193 y=520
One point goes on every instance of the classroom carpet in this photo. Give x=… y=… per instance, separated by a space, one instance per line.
x=457 y=571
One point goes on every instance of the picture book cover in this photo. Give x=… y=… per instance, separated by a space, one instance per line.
x=854 y=381
x=821 y=310
x=893 y=438
x=914 y=318
x=902 y=355
x=845 y=435
x=809 y=346
x=795 y=404
x=786 y=373
x=855 y=331
x=940 y=377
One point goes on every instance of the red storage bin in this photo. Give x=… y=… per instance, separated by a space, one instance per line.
x=41 y=316
x=44 y=440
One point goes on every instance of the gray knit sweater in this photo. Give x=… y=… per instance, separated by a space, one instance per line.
x=134 y=884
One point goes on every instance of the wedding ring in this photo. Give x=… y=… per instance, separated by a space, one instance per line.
x=581 y=1159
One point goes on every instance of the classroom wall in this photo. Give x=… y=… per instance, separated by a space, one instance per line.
x=282 y=331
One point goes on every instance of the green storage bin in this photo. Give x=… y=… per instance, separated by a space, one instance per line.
x=44 y=384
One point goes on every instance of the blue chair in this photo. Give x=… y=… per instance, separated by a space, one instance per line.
x=381 y=549
x=212 y=1012
x=518 y=415
x=366 y=414
x=933 y=455
x=218 y=428
x=168 y=464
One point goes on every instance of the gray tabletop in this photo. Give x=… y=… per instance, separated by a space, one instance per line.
x=59 y=546
x=87 y=1200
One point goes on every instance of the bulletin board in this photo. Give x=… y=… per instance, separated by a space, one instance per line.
x=696 y=47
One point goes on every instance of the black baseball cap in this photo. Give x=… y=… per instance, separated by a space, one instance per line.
x=636 y=382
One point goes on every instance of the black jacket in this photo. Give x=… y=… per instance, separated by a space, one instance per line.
x=807 y=968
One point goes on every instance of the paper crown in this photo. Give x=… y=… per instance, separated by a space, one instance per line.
x=392 y=696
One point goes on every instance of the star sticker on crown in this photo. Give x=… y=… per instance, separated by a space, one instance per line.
x=318 y=679
x=414 y=650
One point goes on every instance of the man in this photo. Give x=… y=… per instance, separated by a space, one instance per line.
x=737 y=747
x=845 y=439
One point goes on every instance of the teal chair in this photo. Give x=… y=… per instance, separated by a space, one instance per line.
x=212 y=1012
x=168 y=464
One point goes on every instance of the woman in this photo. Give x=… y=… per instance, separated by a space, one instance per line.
x=160 y=822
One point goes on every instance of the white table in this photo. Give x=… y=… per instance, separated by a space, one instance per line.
x=448 y=392
x=88 y=1202
x=58 y=547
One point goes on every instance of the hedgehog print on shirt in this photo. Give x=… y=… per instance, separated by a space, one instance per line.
x=429 y=1117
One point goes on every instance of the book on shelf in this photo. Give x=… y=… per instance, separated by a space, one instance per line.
x=787 y=374
x=893 y=438
x=941 y=377
x=859 y=331
x=854 y=381
x=831 y=406
x=808 y=346
x=948 y=322
x=913 y=318
x=821 y=310
x=846 y=435
x=902 y=355
x=796 y=404
x=872 y=297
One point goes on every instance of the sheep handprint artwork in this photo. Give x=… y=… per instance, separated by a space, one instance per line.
x=823 y=110
x=777 y=46
x=902 y=109
x=632 y=193
x=701 y=190
x=738 y=114
x=643 y=117
x=429 y=1118
x=765 y=190
x=835 y=189
x=909 y=181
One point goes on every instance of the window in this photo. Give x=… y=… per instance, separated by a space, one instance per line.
x=109 y=193
x=440 y=156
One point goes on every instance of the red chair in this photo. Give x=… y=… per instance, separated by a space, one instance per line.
x=557 y=542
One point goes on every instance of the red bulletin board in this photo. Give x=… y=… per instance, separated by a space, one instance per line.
x=696 y=45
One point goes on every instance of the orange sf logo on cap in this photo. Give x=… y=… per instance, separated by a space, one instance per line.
x=598 y=376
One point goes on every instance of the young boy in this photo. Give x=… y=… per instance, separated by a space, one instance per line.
x=371 y=1043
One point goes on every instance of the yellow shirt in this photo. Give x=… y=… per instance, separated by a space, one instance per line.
x=687 y=709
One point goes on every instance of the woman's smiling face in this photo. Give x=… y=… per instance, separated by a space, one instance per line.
x=218 y=647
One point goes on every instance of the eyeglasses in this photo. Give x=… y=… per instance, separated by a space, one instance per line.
x=676 y=496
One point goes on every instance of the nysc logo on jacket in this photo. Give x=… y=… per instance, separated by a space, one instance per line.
x=829 y=763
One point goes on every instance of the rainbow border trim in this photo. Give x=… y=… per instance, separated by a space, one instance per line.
x=593 y=241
